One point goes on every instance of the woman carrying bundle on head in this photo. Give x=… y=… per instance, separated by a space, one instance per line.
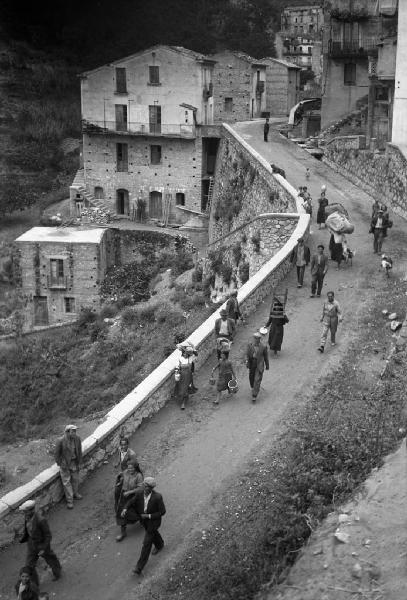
x=276 y=321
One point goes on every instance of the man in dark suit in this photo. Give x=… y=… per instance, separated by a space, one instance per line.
x=38 y=536
x=319 y=267
x=68 y=456
x=256 y=359
x=149 y=506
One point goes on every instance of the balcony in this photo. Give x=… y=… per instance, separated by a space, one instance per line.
x=178 y=130
x=372 y=67
x=354 y=48
x=57 y=282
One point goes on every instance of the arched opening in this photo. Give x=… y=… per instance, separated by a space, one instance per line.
x=122 y=202
x=99 y=193
x=156 y=205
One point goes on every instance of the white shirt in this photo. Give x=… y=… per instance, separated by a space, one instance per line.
x=379 y=223
x=146 y=500
x=223 y=329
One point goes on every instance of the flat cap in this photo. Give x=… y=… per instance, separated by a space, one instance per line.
x=27 y=505
x=69 y=427
x=150 y=481
x=257 y=335
x=223 y=312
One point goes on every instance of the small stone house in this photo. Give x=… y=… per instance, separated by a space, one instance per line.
x=283 y=84
x=61 y=270
x=240 y=87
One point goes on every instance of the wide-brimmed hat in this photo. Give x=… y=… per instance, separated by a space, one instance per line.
x=70 y=427
x=150 y=482
x=223 y=312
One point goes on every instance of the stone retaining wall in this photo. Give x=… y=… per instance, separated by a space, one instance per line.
x=156 y=389
x=383 y=176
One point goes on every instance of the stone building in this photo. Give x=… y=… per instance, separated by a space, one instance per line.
x=399 y=124
x=299 y=39
x=61 y=270
x=240 y=87
x=283 y=84
x=351 y=36
x=144 y=139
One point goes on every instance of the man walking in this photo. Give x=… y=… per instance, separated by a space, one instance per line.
x=232 y=307
x=331 y=315
x=302 y=259
x=149 y=506
x=266 y=130
x=379 y=225
x=224 y=329
x=38 y=536
x=319 y=268
x=68 y=456
x=256 y=359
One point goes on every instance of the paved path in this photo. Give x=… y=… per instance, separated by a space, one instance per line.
x=194 y=453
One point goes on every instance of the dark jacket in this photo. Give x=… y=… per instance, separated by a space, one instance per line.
x=231 y=327
x=40 y=537
x=260 y=353
x=155 y=508
x=232 y=307
x=30 y=593
x=322 y=266
x=63 y=453
x=386 y=223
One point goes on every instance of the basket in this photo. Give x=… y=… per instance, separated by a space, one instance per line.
x=212 y=381
x=232 y=385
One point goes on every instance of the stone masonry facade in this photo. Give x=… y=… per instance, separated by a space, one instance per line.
x=243 y=189
x=383 y=176
x=179 y=169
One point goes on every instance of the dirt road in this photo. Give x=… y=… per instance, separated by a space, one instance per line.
x=193 y=454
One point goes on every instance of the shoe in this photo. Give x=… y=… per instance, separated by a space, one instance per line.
x=137 y=571
x=78 y=497
x=321 y=349
x=312 y=296
x=121 y=536
x=318 y=295
x=299 y=285
x=193 y=388
x=215 y=402
x=69 y=505
x=254 y=400
x=333 y=344
x=182 y=407
x=156 y=550
x=56 y=576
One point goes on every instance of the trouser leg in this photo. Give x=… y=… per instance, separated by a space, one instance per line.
x=324 y=334
x=301 y=278
x=145 y=550
x=379 y=241
x=313 y=284
x=158 y=540
x=31 y=561
x=75 y=481
x=52 y=561
x=334 y=327
x=375 y=240
x=67 y=484
x=252 y=373
x=320 y=280
x=258 y=376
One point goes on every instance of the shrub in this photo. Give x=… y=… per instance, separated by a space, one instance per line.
x=108 y=311
x=147 y=314
x=227 y=272
x=86 y=316
x=215 y=258
x=124 y=301
x=237 y=253
x=169 y=316
x=198 y=300
x=182 y=262
x=97 y=330
x=208 y=284
x=244 y=269
x=197 y=274
x=129 y=317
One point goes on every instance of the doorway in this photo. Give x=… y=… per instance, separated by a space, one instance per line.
x=154 y=113
x=41 y=311
x=156 y=205
x=122 y=202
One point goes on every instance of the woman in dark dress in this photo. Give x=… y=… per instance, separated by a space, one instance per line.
x=127 y=484
x=276 y=321
x=322 y=204
x=226 y=373
x=336 y=248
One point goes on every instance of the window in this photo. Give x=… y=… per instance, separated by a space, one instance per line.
x=228 y=105
x=154 y=75
x=180 y=199
x=69 y=305
x=121 y=86
x=309 y=50
x=121 y=117
x=349 y=74
x=154 y=116
x=57 y=267
x=155 y=155
x=122 y=163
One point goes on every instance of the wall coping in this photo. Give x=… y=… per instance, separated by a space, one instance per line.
x=343 y=137
x=283 y=182
x=280 y=216
x=142 y=392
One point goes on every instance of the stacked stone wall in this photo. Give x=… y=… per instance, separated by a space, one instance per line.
x=383 y=176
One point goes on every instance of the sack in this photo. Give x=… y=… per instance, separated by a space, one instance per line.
x=212 y=381
x=338 y=223
x=233 y=387
x=177 y=375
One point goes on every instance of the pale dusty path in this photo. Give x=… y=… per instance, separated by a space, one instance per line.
x=193 y=454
